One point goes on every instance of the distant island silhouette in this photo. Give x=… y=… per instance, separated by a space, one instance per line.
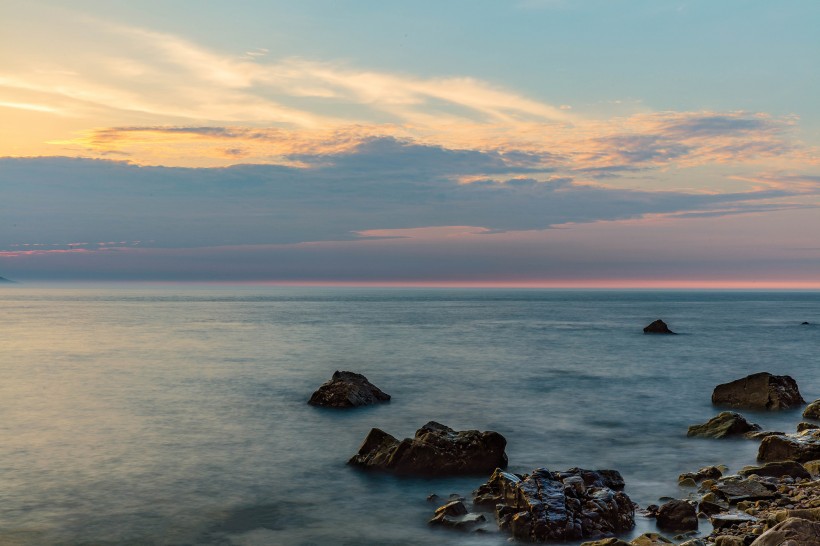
x=3 y=279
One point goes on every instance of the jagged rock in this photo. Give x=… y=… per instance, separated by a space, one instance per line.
x=726 y=423
x=677 y=515
x=801 y=447
x=812 y=411
x=806 y=426
x=454 y=514
x=737 y=490
x=347 y=390
x=651 y=539
x=759 y=391
x=813 y=467
x=436 y=450
x=792 y=532
x=569 y=505
x=658 y=327
x=710 y=508
x=729 y=540
x=777 y=470
x=705 y=473
x=722 y=521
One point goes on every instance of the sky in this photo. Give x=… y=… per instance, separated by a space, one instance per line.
x=577 y=143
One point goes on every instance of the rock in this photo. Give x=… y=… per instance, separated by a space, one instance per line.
x=729 y=540
x=801 y=447
x=805 y=323
x=722 y=521
x=792 y=532
x=811 y=514
x=454 y=514
x=806 y=426
x=812 y=411
x=759 y=391
x=705 y=473
x=693 y=542
x=762 y=434
x=727 y=423
x=651 y=539
x=677 y=515
x=710 y=508
x=607 y=542
x=737 y=490
x=570 y=505
x=813 y=467
x=777 y=470
x=436 y=450
x=658 y=327
x=347 y=390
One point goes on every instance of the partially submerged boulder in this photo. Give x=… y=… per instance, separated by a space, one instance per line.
x=812 y=411
x=658 y=327
x=570 y=505
x=455 y=515
x=347 y=390
x=777 y=470
x=435 y=450
x=705 y=473
x=759 y=391
x=791 y=532
x=677 y=515
x=801 y=447
x=727 y=423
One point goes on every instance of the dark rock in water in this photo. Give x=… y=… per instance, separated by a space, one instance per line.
x=569 y=505
x=727 y=423
x=791 y=532
x=759 y=391
x=801 y=447
x=721 y=521
x=805 y=323
x=705 y=473
x=734 y=490
x=759 y=435
x=347 y=390
x=806 y=426
x=812 y=411
x=658 y=327
x=677 y=515
x=436 y=450
x=777 y=470
x=454 y=514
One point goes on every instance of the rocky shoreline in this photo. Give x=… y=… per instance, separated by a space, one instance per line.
x=774 y=504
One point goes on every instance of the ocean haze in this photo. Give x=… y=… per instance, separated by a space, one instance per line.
x=178 y=415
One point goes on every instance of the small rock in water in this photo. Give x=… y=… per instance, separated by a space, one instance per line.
x=801 y=447
x=812 y=411
x=727 y=423
x=759 y=391
x=657 y=327
x=677 y=515
x=806 y=426
x=347 y=390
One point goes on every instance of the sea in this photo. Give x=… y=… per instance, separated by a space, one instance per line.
x=177 y=415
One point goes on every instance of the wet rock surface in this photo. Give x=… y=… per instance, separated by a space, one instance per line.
x=812 y=411
x=677 y=515
x=727 y=423
x=347 y=390
x=554 y=506
x=735 y=489
x=777 y=470
x=658 y=327
x=435 y=450
x=759 y=391
x=801 y=447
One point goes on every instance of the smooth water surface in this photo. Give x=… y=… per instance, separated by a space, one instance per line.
x=177 y=415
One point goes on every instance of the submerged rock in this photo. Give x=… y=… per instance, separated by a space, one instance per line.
x=801 y=447
x=727 y=423
x=812 y=411
x=570 y=505
x=347 y=390
x=759 y=391
x=791 y=532
x=435 y=450
x=657 y=327
x=677 y=515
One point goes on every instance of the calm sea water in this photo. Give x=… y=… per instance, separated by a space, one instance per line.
x=178 y=416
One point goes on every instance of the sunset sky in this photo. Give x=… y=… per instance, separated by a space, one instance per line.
x=526 y=142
